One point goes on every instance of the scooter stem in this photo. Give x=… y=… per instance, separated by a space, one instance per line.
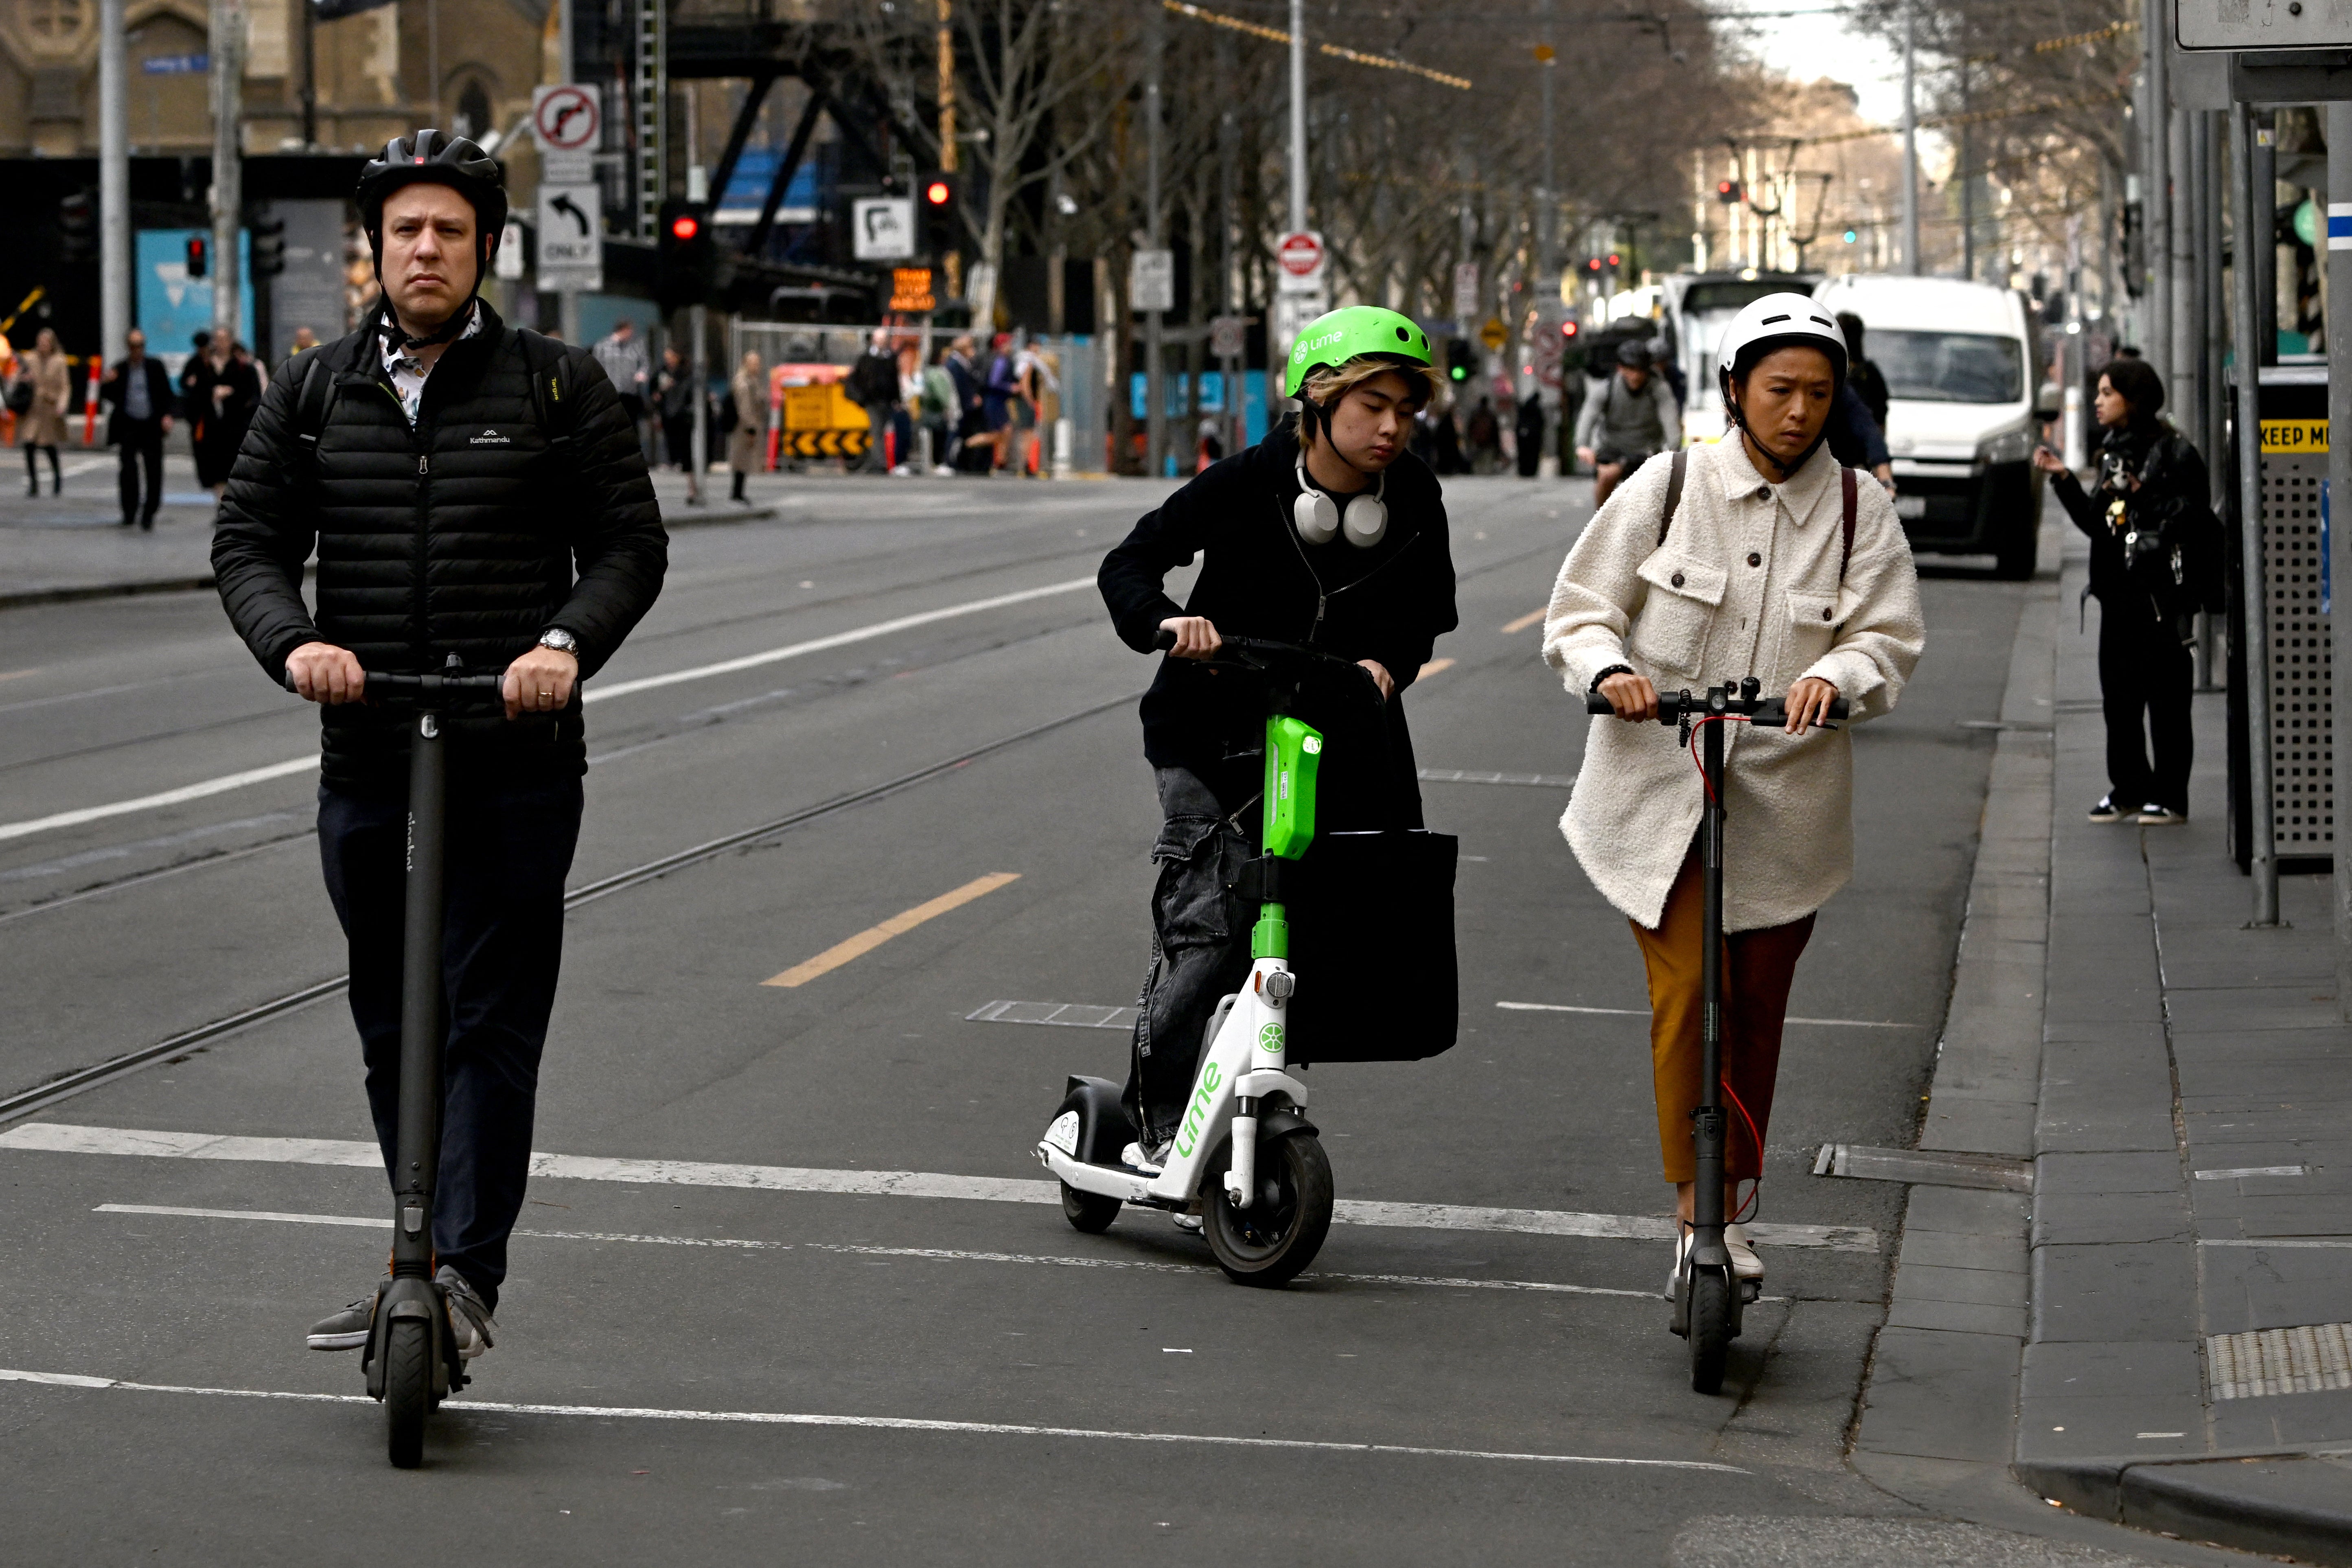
x=1707 y=1126
x=417 y=1143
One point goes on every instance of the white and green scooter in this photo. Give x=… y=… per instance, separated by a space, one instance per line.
x=1245 y=1158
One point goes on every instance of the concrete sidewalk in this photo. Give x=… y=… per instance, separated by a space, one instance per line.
x=2155 y=1333
x=73 y=545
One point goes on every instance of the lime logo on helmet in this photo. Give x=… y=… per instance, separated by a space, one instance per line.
x=1270 y=1038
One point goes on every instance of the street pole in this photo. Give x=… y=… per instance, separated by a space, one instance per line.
x=1547 y=213
x=1297 y=114
x=567 y=301
x=699 y=323
x=310 y=69
x=1910 y=138
x=1155 y=412
x=2339 y=549
x=1968 y=178
x=2263 y=856
x=2070 y=359
x=1228 y=177
x=2179 y=242
x=952 y=262
x=113 y=180
x=2155 y=191
x=227 y=48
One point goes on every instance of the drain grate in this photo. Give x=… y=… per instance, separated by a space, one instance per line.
x=1926 y=1167
x=1069 y=1015
x=2280 y=1361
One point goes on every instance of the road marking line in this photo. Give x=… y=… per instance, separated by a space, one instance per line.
x=1434 y=666
x=2267 y=1241
x=873 y=1423
x=1524 y=622
x=1064 y=1015
x=67 y=1138
x=872 y=937
x=1456 y=775
x=1645 y=1012
x=948 y=1255
x=592 y=693
x=2249 y=1172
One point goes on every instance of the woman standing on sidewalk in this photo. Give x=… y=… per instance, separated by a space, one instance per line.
x=1755 y=556
x=41 y=424
x=2155 y=562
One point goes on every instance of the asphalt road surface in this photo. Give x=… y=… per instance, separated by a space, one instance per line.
x=731 y=1333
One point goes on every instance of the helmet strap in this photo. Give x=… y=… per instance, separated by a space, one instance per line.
x=1755 y=443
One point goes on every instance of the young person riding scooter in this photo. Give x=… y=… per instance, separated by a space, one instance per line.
x=1330 y=534
x=1757 y=555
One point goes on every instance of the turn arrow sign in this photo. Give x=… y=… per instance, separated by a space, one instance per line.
x=566 y=206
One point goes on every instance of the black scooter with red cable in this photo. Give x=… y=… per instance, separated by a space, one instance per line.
x=1708 y=1294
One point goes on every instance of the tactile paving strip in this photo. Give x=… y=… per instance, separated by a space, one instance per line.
x=2280 y=1361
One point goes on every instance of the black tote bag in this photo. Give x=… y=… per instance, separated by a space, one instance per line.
x=1371 y=938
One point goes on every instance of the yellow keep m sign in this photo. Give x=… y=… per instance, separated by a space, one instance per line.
x=2294 y=434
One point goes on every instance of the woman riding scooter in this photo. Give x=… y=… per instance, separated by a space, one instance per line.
x=1755 y=555
x=1330 y=534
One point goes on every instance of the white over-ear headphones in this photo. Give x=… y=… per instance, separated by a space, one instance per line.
x=1319 y=518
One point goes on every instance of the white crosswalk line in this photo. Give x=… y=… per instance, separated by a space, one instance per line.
x=63 y=1138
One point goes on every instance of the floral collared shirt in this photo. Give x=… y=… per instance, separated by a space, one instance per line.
x=407 y=369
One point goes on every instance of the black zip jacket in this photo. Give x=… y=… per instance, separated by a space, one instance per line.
x=471 y=533
x=2173 y=498
x=1390 y=603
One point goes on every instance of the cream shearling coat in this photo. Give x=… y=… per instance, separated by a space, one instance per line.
x=1695 y=612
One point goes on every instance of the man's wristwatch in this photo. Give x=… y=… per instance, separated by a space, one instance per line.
x=560 y=640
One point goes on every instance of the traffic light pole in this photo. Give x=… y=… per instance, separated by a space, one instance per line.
x=227 y=45
x=699 y=323
x=113 y=179
x=1155 y=411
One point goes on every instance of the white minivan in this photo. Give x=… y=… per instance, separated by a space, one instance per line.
x=1960 y=363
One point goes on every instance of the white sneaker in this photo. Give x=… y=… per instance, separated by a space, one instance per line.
x=1745 y=1263
x=1188 y=1223
x=1135 y=1158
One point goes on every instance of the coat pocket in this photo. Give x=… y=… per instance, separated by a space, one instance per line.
x=1677 y=611
x=1814 y=622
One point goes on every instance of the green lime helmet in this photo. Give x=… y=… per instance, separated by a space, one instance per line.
x=1358 y=332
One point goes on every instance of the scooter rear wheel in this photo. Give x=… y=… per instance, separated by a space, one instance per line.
x=1289 y=1214
x=1089 y=1212
x=1710 y=1328
x=408 y=1387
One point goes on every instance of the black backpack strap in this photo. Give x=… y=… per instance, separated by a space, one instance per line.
x=1674 y=472
x=1846 y=482
x=551 y=404
x=313 y=399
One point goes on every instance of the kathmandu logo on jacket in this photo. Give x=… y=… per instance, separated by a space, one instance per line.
x=492 y=439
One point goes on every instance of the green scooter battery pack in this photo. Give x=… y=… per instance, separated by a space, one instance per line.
x=1292 y=752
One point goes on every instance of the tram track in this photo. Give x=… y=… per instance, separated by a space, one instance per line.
x=40 y=1097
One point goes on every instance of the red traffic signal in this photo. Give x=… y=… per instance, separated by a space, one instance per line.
x=1613 y=259
x=199 y=253
x=938 y=194
x=1728 y=193
x=1568 y=329
x=684 y=226
x=1593 y=264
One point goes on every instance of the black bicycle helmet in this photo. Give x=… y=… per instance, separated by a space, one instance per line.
x=430 y=157
x=1634 y=353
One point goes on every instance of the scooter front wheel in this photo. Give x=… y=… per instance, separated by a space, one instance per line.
x=1089 y=1212
x=1710 y=1328
x=1289 y=1213
x=408 y=1387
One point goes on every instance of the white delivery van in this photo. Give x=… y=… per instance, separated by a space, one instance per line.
x=1960 y=363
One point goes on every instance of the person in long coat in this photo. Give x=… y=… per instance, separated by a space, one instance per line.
x=220 y=390
x=750 y=390
x=42 y=427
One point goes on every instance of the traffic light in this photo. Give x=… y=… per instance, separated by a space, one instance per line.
x=1567 y=331
x=1613 y=261
x=1461 y=364
x=1850 y=237
x=685 y=258
x=267 y=246
x=77 y=229
x=199 y=250
x=1728 y=193
x=1592 y=264
x=940 y=198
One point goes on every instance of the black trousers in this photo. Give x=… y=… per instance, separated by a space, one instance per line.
x=141 y=449
x=510 y=848
x=2144 y=682
x=1200 y=950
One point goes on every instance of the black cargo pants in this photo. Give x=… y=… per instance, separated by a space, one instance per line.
x=1199 y=948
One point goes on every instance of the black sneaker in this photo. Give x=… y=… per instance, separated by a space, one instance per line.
x=346 y=1330
x=2107 y=810
x=469 y=1315
x=2154 y=816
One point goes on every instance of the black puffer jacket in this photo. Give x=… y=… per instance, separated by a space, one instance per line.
x=1390 y=603
x=461 y=535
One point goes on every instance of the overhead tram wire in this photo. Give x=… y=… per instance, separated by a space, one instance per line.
x=1281 y=35
x=24 y=1102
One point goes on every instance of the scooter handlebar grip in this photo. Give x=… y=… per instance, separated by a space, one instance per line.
x=1165 y=640
x=1596 y=703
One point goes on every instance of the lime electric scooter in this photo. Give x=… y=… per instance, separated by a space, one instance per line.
x=1245 y=1158
x=1708 y=1296
x=412 y=1361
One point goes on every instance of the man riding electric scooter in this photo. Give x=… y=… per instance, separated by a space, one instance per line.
x=1328 y=534
x=476 y=497
x=1755 y=557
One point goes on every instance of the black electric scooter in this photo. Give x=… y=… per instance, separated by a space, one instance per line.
x=412 y=1361
x=1709 y=1296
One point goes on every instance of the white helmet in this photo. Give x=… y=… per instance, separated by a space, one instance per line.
x=1779 y=321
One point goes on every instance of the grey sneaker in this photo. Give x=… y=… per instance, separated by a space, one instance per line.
x=469 y=1316
x=346 y=1330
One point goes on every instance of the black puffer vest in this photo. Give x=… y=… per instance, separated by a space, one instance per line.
x=459 y=535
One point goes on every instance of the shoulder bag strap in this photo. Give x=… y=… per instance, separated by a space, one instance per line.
x=1674 y=496
x=1846 y=482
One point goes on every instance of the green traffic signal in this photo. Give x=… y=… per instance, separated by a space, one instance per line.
x=1849 y=236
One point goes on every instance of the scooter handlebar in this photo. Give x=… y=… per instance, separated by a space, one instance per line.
x=1773 y=712
x=415 y=688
